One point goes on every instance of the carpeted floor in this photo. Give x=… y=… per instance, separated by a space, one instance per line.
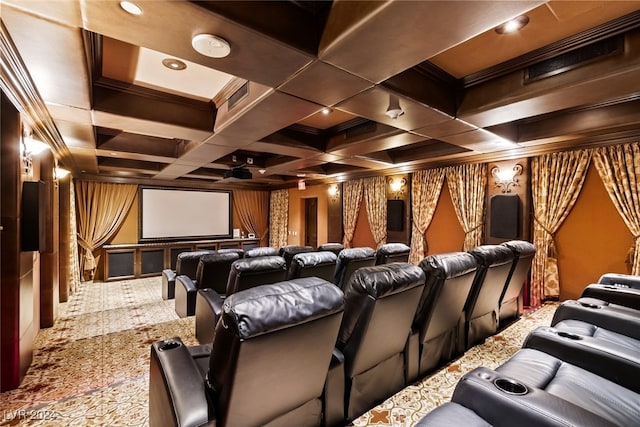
x=91 y=367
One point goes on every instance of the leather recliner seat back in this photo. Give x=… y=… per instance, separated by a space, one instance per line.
x=523 y=252
x=482 y=306
x=187 y=263
x=392 y=252
x=349 y=261
x=213 y=271
x=238 y=251
x=262 y=251
x=440 y=314
x=380 y=302
x=247 y=273
x=313 y=264
x=287 y=252
x=271 y=353
x=331 y=247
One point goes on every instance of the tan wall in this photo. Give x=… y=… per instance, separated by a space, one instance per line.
x=362 y=234
x=296 y=213
x=445 y=234
x=593 y=239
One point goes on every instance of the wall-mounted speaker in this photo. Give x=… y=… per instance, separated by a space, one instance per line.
x=32 y=230
x=505 y=215
x=395 y=215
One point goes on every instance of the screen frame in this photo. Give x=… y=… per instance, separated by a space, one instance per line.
x=141 y=239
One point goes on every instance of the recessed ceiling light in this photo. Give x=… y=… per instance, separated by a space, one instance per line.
x=325 y=110
x=211 y=46
x=513 y=25
x=301 y=175
x=131 y=8
x=262 y=171
x=174 y=64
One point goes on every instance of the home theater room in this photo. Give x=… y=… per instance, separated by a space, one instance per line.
x=320 y=213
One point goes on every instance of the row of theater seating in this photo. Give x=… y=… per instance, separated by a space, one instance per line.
x=298 y=353
x=229 y=270
x=583 y=370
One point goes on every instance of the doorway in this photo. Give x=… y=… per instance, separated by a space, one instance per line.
x=311 y=222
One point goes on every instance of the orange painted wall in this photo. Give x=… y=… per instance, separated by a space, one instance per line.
x=593 y=239
x=362 y=234
x=445 y=234
x=296 y=213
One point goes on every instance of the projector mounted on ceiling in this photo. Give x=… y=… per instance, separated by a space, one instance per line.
x=239 y=172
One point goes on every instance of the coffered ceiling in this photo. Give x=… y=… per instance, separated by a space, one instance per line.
x=570 y=78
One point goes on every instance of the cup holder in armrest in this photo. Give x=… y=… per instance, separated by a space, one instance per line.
x=569 y=335
x=510 y=386
x=589 y=305
x=169 y=345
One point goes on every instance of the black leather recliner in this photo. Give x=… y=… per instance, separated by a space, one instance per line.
x=438 y=326
x=260 y=252
x=245 y=273
x=186 y=264
x=212 y=273
x=266 y=367
x=308 y=264
x=392 y=252
x=482 y=306
x=380 y=302
x=510 y=301
x=621 y=289
x=331 y=247
x=238 y=251
x=349 y=261
x=287 y=252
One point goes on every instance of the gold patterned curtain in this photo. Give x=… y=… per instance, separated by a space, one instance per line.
x=74 y=260
x=426 y=186
x=101 y=209
x=351 y=199
x=468 y=187
x=556 y=181
x=375 y=196
x=252 y=207
x=278 y=218
x=619 y=169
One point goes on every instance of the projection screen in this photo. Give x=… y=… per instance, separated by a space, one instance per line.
x=178 y=214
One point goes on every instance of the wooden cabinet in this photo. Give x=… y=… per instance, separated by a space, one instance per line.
x=128 y=261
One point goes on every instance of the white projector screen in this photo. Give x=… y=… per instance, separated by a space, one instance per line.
x=174 y=214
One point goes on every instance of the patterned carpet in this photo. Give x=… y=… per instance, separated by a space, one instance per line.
x=91 y=367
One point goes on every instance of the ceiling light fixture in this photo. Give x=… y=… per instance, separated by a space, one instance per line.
x=262 y=171
x=513 y=25
x=211 y=46
x=325 y=110
x=394 y=110
x=301 y=175
x=131 y=8
x=174 y=64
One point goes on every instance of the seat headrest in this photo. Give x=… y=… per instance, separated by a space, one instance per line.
x=294 y=249
x=266 y=263
x=216 y=257
x=394 y=248
x=193 y=255
x=488 y=255
x=520 y=247
x=310 y=259
x=259 y=252
x=240 y=252
x=448 y=265
x=269 y=308
x=331 y=247
x=386 y=279
x=356 y=253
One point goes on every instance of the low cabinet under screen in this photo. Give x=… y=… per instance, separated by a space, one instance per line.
x=505 y=214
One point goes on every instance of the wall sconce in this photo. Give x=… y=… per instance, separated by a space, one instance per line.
x=301 y=185
x=60 y=173
x=506 y=179
x=334 y=192
x=397 y=187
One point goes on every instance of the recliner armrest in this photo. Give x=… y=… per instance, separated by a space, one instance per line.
x=334 y=389
x=168 y=283
x=478 y=391
x=606 y=359
x=189 y=284
x=208 y=310
x=615 y=318
x=177 y=394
